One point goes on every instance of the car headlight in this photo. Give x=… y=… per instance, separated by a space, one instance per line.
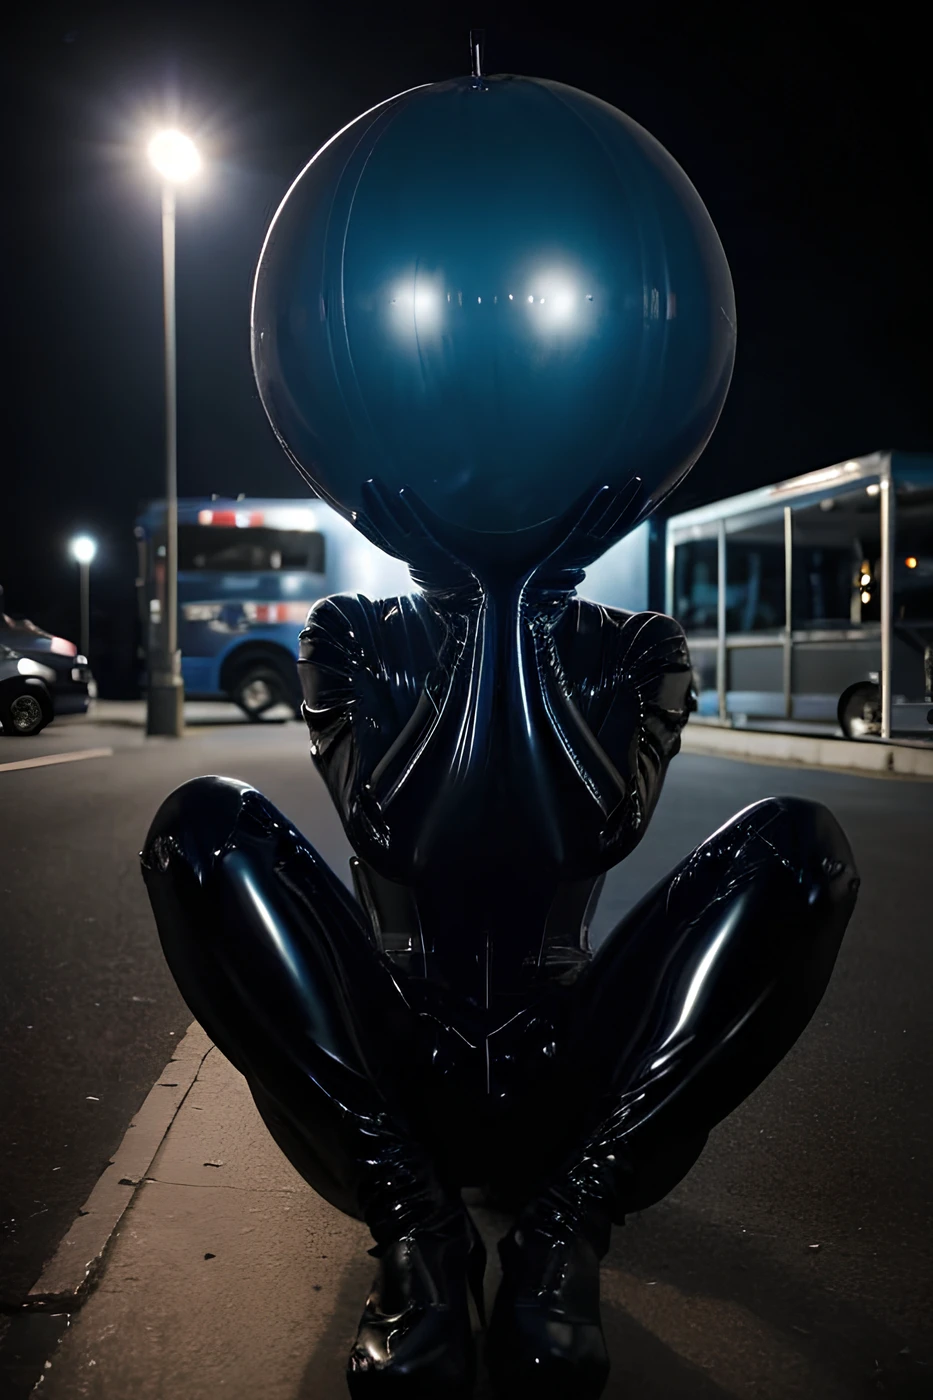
x=27 y=667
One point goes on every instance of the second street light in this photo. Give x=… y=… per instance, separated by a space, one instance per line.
x=83 y=550
x=176 y=159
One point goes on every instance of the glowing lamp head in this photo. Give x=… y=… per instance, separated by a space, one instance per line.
x=174 y=155
x=83 y=549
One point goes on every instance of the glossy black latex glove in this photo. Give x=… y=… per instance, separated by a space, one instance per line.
x=401 y=524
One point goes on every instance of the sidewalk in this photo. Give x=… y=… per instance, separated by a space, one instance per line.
x=909 y=758
x=226 y=1276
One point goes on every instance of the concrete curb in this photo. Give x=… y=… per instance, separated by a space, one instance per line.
x=844 y=755
x=66 y=1278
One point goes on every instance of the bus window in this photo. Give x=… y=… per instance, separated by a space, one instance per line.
x=220 y=549
x=696 y=586
x=755 y=599
x=913 y=554
x=837 y=562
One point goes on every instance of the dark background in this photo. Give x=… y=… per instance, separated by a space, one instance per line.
x=807 y=133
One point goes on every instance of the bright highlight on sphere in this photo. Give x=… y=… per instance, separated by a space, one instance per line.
x=83 y=549
x=174 y=155
x=502 y=296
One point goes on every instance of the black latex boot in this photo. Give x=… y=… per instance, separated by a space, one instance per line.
x=416 y=1337
x=545 y=1336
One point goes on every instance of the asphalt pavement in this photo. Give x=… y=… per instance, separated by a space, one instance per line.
x=88 y=1011
x=811 y=1213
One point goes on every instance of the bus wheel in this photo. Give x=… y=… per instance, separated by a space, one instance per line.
x=256 y=690
x=859 y=711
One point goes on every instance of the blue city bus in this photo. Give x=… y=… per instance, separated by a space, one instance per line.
x=248 y=571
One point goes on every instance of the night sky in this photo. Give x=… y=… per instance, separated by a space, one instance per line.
x=809 y=136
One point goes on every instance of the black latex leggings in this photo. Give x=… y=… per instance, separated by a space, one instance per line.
x=690 y=1002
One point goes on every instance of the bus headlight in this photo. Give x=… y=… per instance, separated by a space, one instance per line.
x=202 y=612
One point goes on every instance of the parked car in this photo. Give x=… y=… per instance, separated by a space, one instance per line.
x=25 y=695
x=71 y=684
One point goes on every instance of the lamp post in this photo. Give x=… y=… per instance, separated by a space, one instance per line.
x=176 y=159
x=83 y=550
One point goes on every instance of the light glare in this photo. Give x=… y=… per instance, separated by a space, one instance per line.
x=174 y=155
x=419 y=305
x=83 y=549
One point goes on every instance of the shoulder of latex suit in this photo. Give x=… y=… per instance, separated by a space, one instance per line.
x=642 y=630
x=360 y=624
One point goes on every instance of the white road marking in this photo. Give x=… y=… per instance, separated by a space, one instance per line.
x=46 y=759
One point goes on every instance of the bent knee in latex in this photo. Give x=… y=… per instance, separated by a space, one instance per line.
x=801 y=836
x=196 y=820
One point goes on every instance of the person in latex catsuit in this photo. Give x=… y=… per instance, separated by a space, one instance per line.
x=493 y=746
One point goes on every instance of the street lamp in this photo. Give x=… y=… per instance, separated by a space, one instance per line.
x=83 y=550
x=176 y=159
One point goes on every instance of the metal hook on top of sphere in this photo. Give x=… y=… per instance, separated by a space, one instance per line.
x=477 y=45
